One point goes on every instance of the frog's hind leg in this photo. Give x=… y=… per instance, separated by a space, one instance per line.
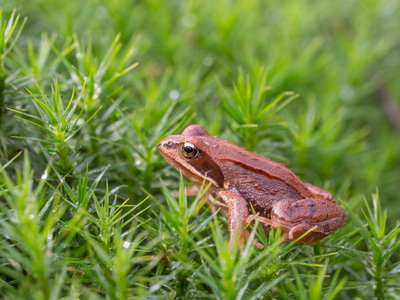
x=323 y=216
x=291 y=232
x=296 y=217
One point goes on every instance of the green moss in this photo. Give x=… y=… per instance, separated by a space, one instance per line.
x=88 y=89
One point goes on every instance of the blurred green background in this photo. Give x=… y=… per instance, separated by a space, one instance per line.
x=332 y=65
x=341 y=58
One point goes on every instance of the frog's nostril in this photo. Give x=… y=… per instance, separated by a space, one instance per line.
x=168 y=144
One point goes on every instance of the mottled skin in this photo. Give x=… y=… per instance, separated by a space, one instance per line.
x=241 y=179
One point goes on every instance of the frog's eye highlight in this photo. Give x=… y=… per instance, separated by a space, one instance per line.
x=189 y=150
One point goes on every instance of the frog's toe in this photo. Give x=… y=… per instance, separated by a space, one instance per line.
x=298 y=230
x=254 y=242
x=310 y=238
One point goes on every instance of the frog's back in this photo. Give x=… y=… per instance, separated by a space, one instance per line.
x=258 y=179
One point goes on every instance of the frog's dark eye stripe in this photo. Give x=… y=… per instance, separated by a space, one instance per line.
x=189 y=150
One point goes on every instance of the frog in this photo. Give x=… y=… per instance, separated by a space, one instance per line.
x=249 y=187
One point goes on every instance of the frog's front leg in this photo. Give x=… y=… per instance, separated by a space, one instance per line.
x=296 y=217
x=237 y=216
x=194 y=190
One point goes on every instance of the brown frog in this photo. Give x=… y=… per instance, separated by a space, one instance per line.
x=241 y=180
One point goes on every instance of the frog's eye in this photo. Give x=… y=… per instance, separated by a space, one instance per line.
x=189 y=150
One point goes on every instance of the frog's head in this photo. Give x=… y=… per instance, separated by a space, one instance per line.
x=189 y=153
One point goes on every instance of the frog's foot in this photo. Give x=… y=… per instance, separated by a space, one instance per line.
x=194 y=191
x=311 y=238
x=190 y=191
x=290 y=231
x=212 y=206
x=254 y=242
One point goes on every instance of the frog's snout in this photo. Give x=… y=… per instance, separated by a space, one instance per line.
x=165 y=144
x=168 y=145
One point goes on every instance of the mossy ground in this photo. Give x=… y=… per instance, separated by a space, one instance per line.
x=87 y=89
